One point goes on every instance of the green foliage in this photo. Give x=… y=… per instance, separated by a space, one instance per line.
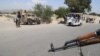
x=98 y=14
x=46 y=17
x=61 y=11
x=44 y=12
x=78 y=5
x=13 y=12
x=0 y=12
x=93 y=13
x=38 y=9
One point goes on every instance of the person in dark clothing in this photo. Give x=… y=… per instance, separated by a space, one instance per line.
x=18 y=19
x=89 y=38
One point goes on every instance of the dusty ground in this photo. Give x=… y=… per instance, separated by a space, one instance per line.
x=34 y=40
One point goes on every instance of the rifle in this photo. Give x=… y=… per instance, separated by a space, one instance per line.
x=66 y=47
x=72 y=45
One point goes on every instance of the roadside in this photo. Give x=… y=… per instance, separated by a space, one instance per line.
x=7 y=24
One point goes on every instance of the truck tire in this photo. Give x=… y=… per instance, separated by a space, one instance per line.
x=38 y=22
x=30 y=22
x=69 y=24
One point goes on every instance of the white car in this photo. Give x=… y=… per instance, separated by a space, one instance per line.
x=73 y=21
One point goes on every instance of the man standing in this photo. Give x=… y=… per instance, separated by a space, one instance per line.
x=18 y=17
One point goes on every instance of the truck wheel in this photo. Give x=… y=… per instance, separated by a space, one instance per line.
x=38 y=22
x=80 y=24
x=30 y=21
x=69 y=24
x=26 y=23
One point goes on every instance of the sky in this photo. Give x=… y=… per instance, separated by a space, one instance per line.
x=28 y=4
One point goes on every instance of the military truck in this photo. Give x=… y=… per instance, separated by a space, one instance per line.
x=29 y=19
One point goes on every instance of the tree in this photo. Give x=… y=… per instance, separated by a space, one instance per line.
x=38 y=10
x=47 y=13
x=93 y=13
x=0 y=12
x=78 y=5
x=14 y=12
x=44 y=12
x=61 y=11
x=98 y=14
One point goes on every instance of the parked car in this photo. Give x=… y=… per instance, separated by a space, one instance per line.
x=74 y=19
